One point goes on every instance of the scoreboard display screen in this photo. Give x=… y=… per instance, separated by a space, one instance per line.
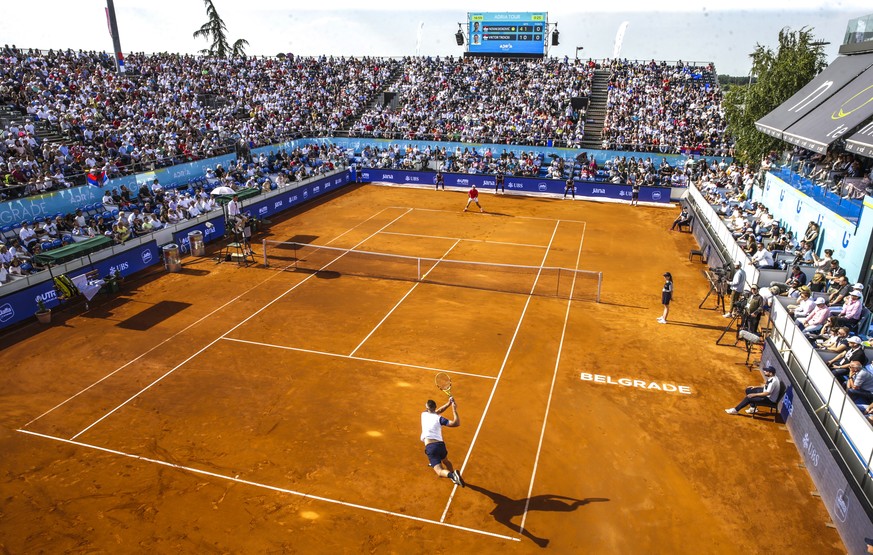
x=507 y=33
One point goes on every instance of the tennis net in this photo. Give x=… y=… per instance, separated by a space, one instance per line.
x=563 y=283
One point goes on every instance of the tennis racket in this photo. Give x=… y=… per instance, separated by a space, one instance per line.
x=444 y=383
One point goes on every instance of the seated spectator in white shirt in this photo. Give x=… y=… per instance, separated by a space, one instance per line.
x=26 y=234
x=763 y=258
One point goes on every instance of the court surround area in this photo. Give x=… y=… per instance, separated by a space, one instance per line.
x=276 y=409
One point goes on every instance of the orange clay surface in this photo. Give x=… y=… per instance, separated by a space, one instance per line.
x=229 y=409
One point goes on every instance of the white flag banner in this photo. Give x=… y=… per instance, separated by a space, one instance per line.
x=619 y=38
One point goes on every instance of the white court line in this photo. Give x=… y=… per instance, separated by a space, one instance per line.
x=486 y=213
x=463 y=239
x=362 y=359
x=272 y=488
x=500 y=373
x=217 y=339
x=411 y=289
x=551 y=389
x=128 y=363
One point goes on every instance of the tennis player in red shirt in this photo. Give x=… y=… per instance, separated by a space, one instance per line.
x=474 y=197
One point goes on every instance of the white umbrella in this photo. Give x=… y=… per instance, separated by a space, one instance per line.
x=222 y=191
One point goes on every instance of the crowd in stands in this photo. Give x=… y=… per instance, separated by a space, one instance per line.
x=168 y=109
x=124 y=213
x=842 y=173
x=826 y=304
x=483 y=100
x=657 y=107
x=171 y=108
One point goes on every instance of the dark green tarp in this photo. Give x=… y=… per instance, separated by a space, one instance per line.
x=243 y=194
x=72 y=251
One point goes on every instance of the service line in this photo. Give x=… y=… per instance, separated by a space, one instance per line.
x=217 y=339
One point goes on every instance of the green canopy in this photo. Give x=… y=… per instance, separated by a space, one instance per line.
x=72 y=251
x=243 y=194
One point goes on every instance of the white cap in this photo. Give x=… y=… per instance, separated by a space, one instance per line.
x=858 y=286
x=820 y=300
x=854 y=339
x=856 y=293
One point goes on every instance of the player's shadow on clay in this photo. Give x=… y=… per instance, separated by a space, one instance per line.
x=505 y=509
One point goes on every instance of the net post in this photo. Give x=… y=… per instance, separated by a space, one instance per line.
x=599 y=282
x=264 y=241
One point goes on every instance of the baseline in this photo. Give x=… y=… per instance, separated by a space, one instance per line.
x=486 y=213
x=269 y=487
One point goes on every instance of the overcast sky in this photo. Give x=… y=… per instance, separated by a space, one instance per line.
x=721 y=32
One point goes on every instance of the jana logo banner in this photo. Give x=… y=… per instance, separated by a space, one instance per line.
x=519 y=184
x=284 y=201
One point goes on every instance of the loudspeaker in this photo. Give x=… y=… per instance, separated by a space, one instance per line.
x=579 y=102
x=459 y=38
x=555 y=37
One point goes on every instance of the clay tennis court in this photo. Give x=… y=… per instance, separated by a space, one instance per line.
x=233 y=409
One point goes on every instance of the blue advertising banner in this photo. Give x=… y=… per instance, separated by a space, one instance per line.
x=215 y=230
x=14 y=211
x=795 y=210
x=590 y=189
x=283 y=201
x=849 y=516
x=22 y=304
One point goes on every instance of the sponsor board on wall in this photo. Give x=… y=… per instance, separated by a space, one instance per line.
x=21 y=305
x=591 y=189
x=841 y=501
x=795 y=209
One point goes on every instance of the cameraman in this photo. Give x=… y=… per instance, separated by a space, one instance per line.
x=738 y=284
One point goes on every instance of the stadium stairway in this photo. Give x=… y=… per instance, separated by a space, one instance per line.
x=596 y=114
x=10 y=114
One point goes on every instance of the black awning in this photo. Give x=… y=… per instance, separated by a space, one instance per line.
x=826 y=84
x=839 y=115
x=862 y=141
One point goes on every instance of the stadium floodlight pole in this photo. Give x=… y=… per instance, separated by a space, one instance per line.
x=113 y=32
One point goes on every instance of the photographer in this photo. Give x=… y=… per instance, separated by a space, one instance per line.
x=754 y=310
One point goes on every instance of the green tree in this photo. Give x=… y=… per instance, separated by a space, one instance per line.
x=215 y=30
x=777 y=76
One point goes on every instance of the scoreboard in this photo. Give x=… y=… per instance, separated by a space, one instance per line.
x=507 y=33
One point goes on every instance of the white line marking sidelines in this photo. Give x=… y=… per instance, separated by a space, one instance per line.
x=217 y=339
x=269 y=487
x=551 y=389
x=500 y=373
x=362 y=359
x=403 y=298
x=463 y=239
x=125 y=365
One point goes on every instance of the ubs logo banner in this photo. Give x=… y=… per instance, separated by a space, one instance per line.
x=542 y=187
x=146 y=256
x=6 y=312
